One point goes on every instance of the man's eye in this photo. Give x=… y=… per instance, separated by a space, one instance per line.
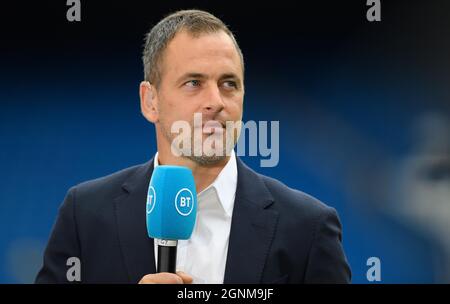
x=192 y=83
x=230 y=84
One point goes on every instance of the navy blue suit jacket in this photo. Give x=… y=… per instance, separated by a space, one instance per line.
x=278 y=235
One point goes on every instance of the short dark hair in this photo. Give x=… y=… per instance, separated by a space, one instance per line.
x=195 y=22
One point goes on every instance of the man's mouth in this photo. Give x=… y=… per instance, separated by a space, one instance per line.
x=213 y=127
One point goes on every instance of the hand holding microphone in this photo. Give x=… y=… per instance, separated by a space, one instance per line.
x=171 y=213
x=166 y=278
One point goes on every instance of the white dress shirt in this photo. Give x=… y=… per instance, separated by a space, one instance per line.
x=204 y=255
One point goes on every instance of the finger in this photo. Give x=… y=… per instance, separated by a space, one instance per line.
x=187 y=279
x=161 y=278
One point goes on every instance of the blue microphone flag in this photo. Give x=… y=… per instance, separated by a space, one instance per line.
x=171 y=203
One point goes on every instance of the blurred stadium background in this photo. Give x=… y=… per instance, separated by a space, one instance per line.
x=364 y=115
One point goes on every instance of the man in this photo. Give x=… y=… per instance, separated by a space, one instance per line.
x=250 y=228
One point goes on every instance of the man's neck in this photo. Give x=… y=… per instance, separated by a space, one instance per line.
x=203 y=175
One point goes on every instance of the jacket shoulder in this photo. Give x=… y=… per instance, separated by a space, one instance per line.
x=293 y=200
x=104 y=189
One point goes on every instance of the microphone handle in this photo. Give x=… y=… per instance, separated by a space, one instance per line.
x=167 y=256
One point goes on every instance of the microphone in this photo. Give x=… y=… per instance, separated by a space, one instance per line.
x=171 y=211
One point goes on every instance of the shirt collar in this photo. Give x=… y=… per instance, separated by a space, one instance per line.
x=225 y=183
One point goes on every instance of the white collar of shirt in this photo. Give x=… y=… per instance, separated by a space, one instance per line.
x=225 y=184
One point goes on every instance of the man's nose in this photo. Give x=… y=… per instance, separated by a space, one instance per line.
x=214 y=102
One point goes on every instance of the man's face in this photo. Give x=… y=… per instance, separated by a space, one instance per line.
x=200 y=75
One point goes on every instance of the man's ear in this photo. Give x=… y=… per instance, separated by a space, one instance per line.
x=149 y=101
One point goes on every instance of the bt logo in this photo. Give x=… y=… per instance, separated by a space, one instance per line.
x=184 y=202
x=151 y=199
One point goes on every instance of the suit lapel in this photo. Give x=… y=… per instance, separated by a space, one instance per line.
x=252 y=229
x=137 y=248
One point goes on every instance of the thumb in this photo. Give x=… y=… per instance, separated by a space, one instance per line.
x=187 y=279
